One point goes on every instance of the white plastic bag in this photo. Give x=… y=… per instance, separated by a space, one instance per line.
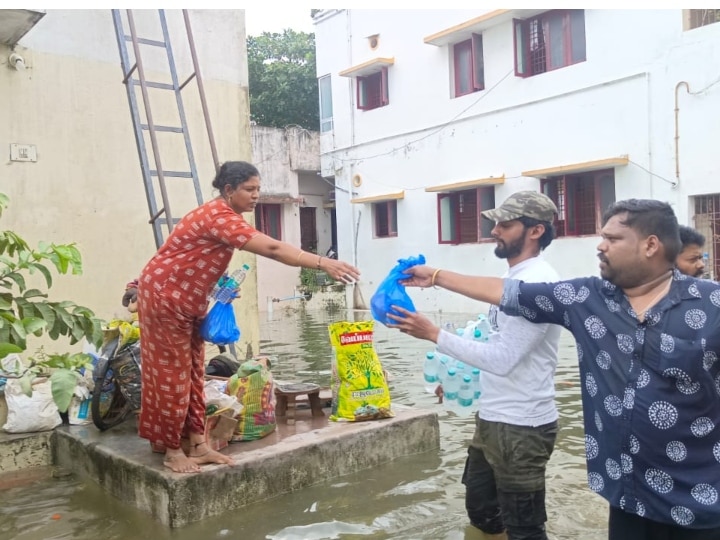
x=28 y=414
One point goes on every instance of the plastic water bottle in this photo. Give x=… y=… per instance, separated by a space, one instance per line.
x=483 y=329
x=442 y=368
x=476 y=383
x=224 y=289
x=465 y=394
x=706 y=262
x=451 y=387
x=430 y=372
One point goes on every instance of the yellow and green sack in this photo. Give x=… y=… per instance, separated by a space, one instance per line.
x=359 y=389
x=254 y=388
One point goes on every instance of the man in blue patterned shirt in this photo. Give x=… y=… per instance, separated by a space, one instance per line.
x=648 y=343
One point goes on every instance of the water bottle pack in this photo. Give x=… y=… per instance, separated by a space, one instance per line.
x=460 y=382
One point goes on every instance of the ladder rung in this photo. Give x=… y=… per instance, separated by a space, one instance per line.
x=144 y=41
x=151 y=84
x=163 y=128
x=175 y=174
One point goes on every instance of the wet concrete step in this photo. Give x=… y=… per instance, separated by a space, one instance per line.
x=311 y=451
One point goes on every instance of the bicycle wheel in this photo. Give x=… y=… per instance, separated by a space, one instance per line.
x=109 y=407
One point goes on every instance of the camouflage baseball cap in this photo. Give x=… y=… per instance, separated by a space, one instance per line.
x=524 y=203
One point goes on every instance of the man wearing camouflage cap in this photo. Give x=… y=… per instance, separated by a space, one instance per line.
x=516 y=424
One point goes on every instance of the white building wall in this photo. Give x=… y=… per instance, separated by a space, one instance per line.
x=619 y=102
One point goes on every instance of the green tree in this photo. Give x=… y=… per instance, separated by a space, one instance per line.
x=283 y=82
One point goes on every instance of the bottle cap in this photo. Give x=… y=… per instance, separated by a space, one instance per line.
x=476 y=371
x=466 y=378
x=429 y=355
x=452 y=371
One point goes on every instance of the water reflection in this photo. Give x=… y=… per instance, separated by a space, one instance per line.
x=414 y=498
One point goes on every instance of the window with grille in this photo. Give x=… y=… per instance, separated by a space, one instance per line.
x=695 y=18
x=581 y=200
x=385 y=215
x=267 y=220
x=468 y=66
x=459 y=218
x=552 y=40
x=372 y=90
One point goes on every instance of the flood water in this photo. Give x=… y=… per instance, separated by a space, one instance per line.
x=414 y=498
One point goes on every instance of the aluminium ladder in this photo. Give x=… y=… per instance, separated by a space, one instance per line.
x=134 y=78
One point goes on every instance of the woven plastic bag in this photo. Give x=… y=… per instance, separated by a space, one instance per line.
x=392 y=293
x=359 y=389
x=219 y=326
x=27 y=414
x=254 y=388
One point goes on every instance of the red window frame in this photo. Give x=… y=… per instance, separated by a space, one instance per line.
x=476 y=69
x=534 y=37
x=581 y=200
x=466 y=225
x=385 y=219
x=372 y=90
x=268 y=219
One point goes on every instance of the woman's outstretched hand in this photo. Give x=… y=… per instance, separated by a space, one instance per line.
x=339 y=270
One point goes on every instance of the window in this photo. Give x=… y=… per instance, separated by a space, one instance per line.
x=267 y=220
x=695 y=18
x=552 y=40
x=385 y=216
x=326 y=108
x=468 y=66
x=372 y=90
x=581 y=200
x=459 y=218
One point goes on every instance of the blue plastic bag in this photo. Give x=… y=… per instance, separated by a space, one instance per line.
x=392 y=293
x=219 y=326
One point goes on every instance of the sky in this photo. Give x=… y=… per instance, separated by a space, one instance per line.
x=274 y=19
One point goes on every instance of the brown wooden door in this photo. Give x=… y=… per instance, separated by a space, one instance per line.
x=308 y=229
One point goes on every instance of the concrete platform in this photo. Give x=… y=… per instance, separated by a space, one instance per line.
x=311 y=451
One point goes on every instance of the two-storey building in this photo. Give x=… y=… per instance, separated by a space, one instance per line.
x=429 y=117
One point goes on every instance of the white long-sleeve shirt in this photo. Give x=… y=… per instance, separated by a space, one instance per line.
x=518 y=362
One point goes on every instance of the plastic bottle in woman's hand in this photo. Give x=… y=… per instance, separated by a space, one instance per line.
x=226 y=287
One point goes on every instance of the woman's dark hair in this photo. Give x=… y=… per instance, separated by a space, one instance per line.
x=649 y=217
x=233 y=173
x=547 y=236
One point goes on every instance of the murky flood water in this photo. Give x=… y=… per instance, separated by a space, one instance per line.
x=416 y=497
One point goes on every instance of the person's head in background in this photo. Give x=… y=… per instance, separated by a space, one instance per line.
x=690 y=259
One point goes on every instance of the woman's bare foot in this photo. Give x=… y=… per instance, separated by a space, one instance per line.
x=178 y=462
x=201 y=453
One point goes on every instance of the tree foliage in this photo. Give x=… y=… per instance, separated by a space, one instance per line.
x=283 y=82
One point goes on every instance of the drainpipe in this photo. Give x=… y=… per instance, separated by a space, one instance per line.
x=677 y=131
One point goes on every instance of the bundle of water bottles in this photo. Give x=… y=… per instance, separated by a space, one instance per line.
x=460 y=382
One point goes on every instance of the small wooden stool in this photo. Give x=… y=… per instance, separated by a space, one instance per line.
x=286 y=395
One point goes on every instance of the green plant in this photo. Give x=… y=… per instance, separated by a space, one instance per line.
x=312 y=280
x=26 y=312
x=64 y=370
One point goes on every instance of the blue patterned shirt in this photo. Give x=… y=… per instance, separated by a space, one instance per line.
x=650 y=391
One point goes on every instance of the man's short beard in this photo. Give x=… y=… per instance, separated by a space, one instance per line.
x=508 y=251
